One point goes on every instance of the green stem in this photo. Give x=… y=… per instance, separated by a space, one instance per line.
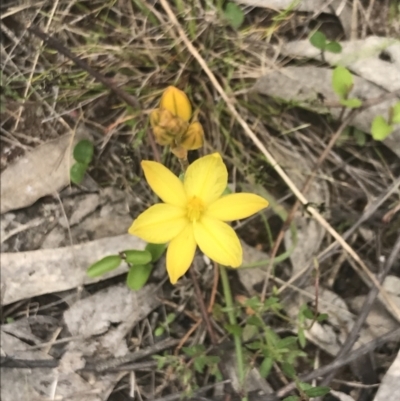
x=232 y=321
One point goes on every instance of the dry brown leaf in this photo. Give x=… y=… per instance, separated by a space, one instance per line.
x=43 y=171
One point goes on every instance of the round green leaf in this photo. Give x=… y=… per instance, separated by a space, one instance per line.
x=136 y=257
x=77 y=172
x=83 y=151
x=156 y=251
x=138 y=276
x=342 y=81
x=159 y=331
x=380 y=129
x=333 y=47
x=104 y=266
x=234 y=14
x=318 y=40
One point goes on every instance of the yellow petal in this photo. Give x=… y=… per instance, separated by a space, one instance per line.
x=176 y=102
x=160 y=223
x=236 y=206
x=193 y=138
x=206 y=178
x=162 y=136
x=180 y=254
x=164 y=183
x=154 y=117
x=218 y=241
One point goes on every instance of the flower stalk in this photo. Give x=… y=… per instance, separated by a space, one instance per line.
x=232 y=320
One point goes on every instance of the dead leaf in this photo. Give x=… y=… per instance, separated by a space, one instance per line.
x=43 y=171
x=389 y=389
x=29 y=274
x=108 y=315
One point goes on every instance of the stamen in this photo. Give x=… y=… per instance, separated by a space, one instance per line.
x=195 y=208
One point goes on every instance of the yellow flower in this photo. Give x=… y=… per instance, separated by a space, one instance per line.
x=194 y=213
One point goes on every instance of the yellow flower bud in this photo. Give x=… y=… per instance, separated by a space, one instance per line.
x=154 y=117
x=176 y=101
x=162 y=136
x=193 y=138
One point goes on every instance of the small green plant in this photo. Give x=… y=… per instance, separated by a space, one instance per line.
x=266 y=344
x=381 y=127
x=319 y=40
x=234 y=15
x=83 y=155
x=140 y=264
x=185 y=367
x=164 y=326
x=307 y=391
x=342 y=84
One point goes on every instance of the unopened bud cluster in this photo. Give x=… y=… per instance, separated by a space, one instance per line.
x=170 y=122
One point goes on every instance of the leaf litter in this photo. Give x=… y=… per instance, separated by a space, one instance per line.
x=101 y=319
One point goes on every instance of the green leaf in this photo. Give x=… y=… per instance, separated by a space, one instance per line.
x=138 y=276
x=396 y=113
x=233 y=329
x=255 y=345
x=286 y=342
x=289 y=370
x=249 y=331
x=342 y=81
x=380 y=129
x=302 y=338
x=333 y=47
x=199 y=364
x=170 y=318
x=104 y=265
x=318 y=40
x=194 y=350
x=317 y=391
x=322 y=317
x=77 y=172
x=266 y=366
x=156 y=251
x=360 y=138
x=136 y=257
x=291 y=398
x=83 y=151
x=308 y=313
x=159 y=331
x=234 y=14
x=352 y=103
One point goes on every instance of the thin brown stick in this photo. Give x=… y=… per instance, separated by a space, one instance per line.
x=203 y=309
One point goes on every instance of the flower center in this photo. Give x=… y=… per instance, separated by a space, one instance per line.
x=195 y=208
